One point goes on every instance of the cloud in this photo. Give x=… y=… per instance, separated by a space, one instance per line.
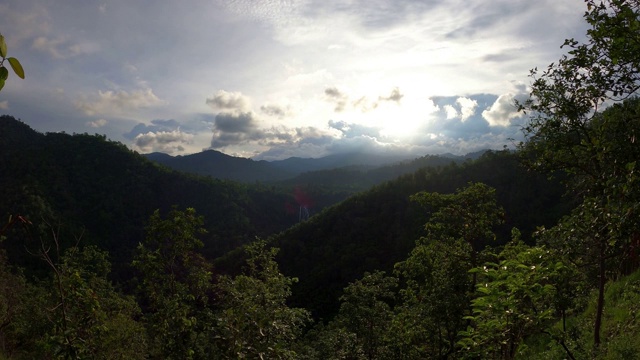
x=61 y=48
x=273 y=110
x=395 y=96
x=162 y=141
x=118 y=102
x=354 y=130
x=451 y=112
x=504 y=110
x=97 y=123
x=157 y=125
x=459 y=107
x=224 y=100
x=234 y=129
x=338 y=98
x=458 y=118
x=4 y=105
x=467 y=107
x=362 y=103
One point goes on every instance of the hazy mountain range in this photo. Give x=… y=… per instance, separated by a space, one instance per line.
x=219 y=165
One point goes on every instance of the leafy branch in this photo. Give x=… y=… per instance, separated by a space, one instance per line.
x=13 y=62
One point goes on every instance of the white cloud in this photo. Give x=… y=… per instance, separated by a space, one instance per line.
x=61 y=48
x=4 y=105
x=451 y=112
x=97 y=123
x=118 y=102
x=504 y=109
x=467 y=107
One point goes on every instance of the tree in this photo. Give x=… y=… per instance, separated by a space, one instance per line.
x=471 y=214
x=253 y=320
x=366 y=312
x=438 y=289
x=434 y=301
x=568 y=132
x=175 y=286
x=13 y=62
x=90 y=319
x=521 y=291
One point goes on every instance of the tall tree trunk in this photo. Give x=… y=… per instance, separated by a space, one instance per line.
x=601 y=285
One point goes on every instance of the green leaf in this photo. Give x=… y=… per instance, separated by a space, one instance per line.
x=1 y=83
x=17 y=68
x=4 y=73
x=3 y=47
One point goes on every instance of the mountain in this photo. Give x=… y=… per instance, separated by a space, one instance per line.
x=103 y=192
x=377 y=228
x=300 y=165
x=221 y=166
x=353 y=179
x=355 y=171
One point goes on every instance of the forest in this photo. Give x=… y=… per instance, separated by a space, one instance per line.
x=526 y=253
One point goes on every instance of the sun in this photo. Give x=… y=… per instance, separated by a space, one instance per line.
x=403 y=119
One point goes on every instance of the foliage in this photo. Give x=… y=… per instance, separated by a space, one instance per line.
x=378 y=228
x=13 y=62
x=470 y=214
x=620 y=330
x=568 y=132
x=518 y=295
x=175 y=285
x=435 y=299
x=366 y=311
x=253 y=320
x=75 y=313
x=438 y=288
x=90 y=319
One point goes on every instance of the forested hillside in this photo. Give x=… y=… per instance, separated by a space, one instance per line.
x=375 y=229
x=102 y=191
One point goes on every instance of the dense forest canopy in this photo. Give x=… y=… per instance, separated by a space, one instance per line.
x=531 y=254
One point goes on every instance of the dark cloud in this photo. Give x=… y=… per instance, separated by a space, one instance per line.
x=362 y=103
x=512 y=54
x=235 y=123
x=395 y=96
x=333 y=93
x=273 y=110
x=233 y=129
x=224 y=100
x=335 y=96
x=162 y=141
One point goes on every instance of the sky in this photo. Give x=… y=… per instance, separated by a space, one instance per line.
x=273 y=79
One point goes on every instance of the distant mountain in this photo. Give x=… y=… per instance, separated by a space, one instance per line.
x=300 y=165
x=221 y=166
x=354 y=179
x=362 y=170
